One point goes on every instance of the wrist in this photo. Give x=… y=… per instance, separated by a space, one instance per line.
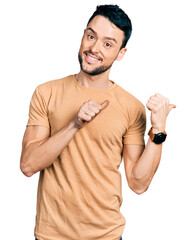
x=73 y=125
x=157 y=137
x=158 y=130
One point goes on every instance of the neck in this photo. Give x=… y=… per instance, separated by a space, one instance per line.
x=96 y=82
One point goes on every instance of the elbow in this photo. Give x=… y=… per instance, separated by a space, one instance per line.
x=138 y=189
x=26 y=172
x=26 y=169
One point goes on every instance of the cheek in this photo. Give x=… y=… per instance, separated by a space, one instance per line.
x=110 y=57
x=83 y=47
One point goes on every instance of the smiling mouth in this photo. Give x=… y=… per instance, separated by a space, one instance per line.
x=90 y=58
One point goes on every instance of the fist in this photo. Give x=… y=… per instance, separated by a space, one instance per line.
x=87 y=112
x=160 y=108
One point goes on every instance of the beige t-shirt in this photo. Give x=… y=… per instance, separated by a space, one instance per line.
x=79 y=195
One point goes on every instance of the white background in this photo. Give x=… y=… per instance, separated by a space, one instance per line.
x=40 y=42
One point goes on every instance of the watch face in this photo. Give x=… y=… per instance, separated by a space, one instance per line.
x=159 y=138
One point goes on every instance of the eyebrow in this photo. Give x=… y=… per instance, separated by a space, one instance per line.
x=109 y=38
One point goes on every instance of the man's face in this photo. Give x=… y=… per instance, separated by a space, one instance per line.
x=100 y=46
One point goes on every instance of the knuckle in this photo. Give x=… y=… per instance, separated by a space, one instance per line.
x=155 y=108
x=81 y=115
x=84 y=105
x=97 y=108
x=92 y=103
x=88 y=118
x=80 y=112
x=82 y=108
x=159 y=107
x=166 y=101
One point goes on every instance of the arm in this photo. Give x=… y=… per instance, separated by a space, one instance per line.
x=39 y=150
x=142 y=162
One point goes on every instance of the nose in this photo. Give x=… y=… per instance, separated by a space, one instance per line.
x=95 y=47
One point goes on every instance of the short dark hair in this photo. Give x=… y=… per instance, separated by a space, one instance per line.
x=118 y=17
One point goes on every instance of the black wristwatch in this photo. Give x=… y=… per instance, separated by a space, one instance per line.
x=157 y=138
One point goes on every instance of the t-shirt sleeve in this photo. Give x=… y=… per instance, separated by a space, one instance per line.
x=38 y=110
x=135 y=132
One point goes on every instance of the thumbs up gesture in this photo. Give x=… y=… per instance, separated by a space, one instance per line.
x=160 y=108
x=88 y=111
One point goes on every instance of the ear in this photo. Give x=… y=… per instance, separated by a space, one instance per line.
x=121 y=54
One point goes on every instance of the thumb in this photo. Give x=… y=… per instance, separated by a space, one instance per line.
x=171 y=106
x=104 y=104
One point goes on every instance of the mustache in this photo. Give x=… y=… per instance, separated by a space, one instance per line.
x=90 y=52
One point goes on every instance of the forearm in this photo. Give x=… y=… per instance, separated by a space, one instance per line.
x=40 y=150
x=141 y=164
x=145 y=168
x=40 y=155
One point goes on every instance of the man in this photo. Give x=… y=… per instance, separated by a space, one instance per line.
x=78 y=129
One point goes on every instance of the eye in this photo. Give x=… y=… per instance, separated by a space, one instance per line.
x=90 y=36
x=108 y=45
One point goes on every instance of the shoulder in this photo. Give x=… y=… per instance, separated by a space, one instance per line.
x=51 y=89
x=128 y=99
x=133 y=108
x=53 y=85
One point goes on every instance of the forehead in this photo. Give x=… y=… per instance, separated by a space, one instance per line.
x=104 y=28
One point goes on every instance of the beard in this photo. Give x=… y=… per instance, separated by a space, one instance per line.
x=95 y=71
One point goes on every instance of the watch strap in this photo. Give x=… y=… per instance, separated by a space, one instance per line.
x=152 y=135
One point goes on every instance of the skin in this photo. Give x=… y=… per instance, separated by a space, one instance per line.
x=100 y=47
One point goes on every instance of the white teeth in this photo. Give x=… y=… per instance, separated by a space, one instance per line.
x=92 y=57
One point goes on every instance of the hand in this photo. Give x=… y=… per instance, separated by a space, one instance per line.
x=87 y=112
x=160 y=108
